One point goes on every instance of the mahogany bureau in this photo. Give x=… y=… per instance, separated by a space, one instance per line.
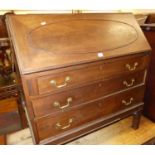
x=79 y=72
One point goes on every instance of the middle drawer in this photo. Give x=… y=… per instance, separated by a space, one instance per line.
x=74 y=97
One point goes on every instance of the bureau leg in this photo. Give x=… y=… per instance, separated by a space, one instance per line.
x=136 y=119
x=21 y=105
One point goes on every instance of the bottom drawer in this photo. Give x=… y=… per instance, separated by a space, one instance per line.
x=75 y=117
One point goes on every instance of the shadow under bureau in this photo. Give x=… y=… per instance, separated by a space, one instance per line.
x=79 y=72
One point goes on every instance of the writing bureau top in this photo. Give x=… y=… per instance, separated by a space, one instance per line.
x=51 y=41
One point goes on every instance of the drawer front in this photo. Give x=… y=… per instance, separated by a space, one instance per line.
x=64 y=121
x=87 y=73
x=67 y=99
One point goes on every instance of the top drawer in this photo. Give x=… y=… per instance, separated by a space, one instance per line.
x=49 y=82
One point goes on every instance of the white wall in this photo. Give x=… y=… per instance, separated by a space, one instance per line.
x=25 y=6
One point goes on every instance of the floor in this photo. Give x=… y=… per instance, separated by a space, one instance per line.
x=119 y=133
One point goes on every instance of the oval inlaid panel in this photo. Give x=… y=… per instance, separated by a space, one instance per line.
x=82 y=36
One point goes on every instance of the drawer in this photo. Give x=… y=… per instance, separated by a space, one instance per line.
x=75 y=76
x=64 y=121
x=73 y=97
